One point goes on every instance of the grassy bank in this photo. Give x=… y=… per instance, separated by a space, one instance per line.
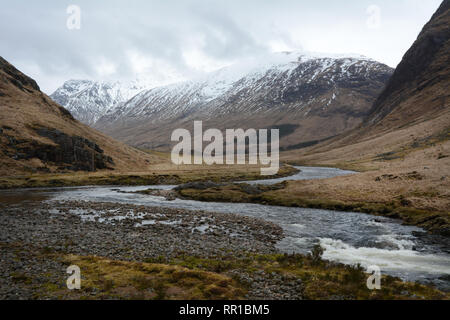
x=148 y=281
x=163 y=174
x=403 y=176
x=195 y=278
x=290 y=194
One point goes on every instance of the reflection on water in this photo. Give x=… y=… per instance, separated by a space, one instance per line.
x=8 y=198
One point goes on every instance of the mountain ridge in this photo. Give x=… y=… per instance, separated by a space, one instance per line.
x=424 y=65
x=88 y=100
x=306 y=91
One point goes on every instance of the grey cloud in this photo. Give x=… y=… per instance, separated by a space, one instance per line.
x=34 y=36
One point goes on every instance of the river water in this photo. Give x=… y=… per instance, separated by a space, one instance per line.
x=347 y=237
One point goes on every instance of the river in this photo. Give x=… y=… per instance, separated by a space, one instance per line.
x=347 y=237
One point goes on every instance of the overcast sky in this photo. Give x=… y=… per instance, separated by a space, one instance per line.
x=169 y=40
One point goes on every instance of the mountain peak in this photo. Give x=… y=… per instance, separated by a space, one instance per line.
x=88 y=100
x=291 y=90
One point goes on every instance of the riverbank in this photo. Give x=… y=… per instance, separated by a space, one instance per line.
x=409 y=181
x=393 y=196
x=137 y=252
x=161 y=174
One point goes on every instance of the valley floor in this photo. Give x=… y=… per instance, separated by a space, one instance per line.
x=161 y=173
x=413 y=186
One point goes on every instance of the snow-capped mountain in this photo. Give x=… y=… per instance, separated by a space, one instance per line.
x=89 y=100
x=315 y=95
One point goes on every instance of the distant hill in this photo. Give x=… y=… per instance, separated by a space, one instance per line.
x=307 y=96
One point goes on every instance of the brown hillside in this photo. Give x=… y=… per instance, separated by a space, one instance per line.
x=403 y=146
x=423 y=73
x=38 y=135
x=412 y=110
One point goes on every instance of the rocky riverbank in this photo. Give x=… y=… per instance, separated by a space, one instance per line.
x=118 y=232
x=137 y=252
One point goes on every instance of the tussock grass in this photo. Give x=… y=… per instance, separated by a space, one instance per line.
x=320 y=279
x=432 y=220
x=201 y=278
x=135 y=280
x=159 y=174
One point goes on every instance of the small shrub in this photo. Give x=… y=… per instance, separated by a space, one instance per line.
x=316 y=254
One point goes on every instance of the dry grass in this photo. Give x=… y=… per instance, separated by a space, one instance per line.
x=23 y=110
x=404 y=173
x=163 y=173
x=188 y=277
x=136 y=280
x=414 y=187
x=320 y=279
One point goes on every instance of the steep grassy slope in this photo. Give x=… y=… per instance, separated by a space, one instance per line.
x=413 y=108
x=37 y=135
x=403 y=146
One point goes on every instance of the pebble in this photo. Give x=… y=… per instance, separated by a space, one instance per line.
x=118 y=231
